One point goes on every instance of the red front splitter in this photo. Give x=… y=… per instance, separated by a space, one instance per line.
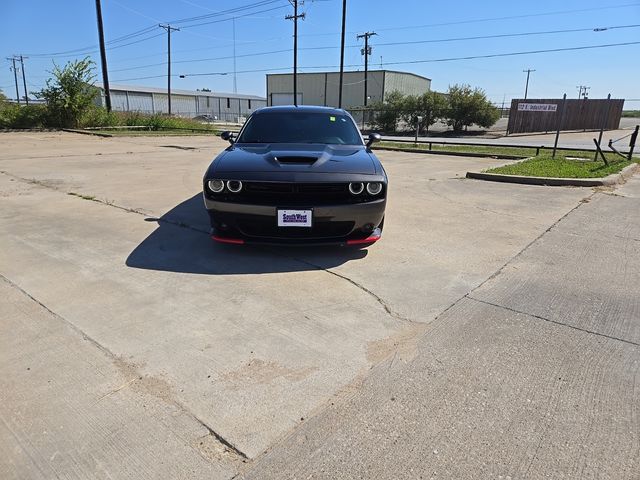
x=234 y=241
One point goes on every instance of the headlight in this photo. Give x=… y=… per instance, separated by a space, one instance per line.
x=356 y=188
x=216 y=186
x=374 y=188
x=234 y=186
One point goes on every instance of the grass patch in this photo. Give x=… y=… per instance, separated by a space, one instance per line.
x=631 y=113
x=80 y=195
x=524 y=152
x=561 y=167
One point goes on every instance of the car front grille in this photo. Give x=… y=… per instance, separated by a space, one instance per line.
x=293 y=194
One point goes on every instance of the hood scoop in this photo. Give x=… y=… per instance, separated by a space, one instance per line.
x=295 y=159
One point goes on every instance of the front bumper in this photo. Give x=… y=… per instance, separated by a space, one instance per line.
x=332 y=224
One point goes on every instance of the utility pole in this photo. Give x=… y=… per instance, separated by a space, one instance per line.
x=582 y=91
x=103 y=58
x=295 y=17
x=15 y=76
x=235 y=78
x=366 y=51
x=169 y=28
x=24 y=79
x=526 y=88
x=344 y=20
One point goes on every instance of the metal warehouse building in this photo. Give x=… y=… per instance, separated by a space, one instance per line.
x=230 y=107
x=321 y=88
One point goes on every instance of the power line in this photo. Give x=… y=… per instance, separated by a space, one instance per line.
x=511 y=54
x=504 y=35
x=330 y=47
x=229 y=12
x=146 y=30
x=433 y=60
x=490 y=19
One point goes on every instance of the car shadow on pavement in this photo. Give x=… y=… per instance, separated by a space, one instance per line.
x=181 y=243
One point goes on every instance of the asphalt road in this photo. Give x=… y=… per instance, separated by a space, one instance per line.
x=493 y=330
x=567 y=139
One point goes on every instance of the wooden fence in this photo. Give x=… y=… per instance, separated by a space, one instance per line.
x=544 y=115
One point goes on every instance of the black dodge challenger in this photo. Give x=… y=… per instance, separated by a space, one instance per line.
x=296 y=175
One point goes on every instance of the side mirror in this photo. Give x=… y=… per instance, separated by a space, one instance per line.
x=228 y=136
x=373 y=138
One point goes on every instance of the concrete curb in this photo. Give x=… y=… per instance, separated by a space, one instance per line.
x=612 y=179
x=454 y=154
x=87 y=132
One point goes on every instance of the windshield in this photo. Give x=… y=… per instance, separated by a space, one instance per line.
x=300 y=127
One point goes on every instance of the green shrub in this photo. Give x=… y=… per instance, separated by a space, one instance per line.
x=23 y=116
x=99 y=117
x=70 y=93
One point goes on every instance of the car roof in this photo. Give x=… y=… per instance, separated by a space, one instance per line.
x=300 y=109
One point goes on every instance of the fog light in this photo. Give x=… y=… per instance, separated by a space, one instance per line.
x=234 y=186
x=216 y=186
x=356 y=188
x=374 y=188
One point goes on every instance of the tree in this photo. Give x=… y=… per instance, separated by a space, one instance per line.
x=70 y=92
x=388 y=112
x=430 y=106
x=467 y=106
x=3 y=98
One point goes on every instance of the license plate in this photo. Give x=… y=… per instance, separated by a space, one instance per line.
x=294 y=218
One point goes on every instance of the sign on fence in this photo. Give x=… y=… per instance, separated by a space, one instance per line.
x=537 y=107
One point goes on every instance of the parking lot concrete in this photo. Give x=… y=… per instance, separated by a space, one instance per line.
x=133 y=344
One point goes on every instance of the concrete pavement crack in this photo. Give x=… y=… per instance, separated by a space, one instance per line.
x=121 y=364
x=107 y=203
x=374 y=295
x=556 y=322
x=526 y=247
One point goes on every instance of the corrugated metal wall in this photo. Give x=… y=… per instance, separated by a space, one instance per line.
x=222 y=108
x=140 y=102
x=406 y=83
x=322 y=88
x=119 y=101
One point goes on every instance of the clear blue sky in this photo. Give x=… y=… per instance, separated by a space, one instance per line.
x=42 y=29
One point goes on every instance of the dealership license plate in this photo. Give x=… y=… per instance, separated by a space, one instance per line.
x=294 y=218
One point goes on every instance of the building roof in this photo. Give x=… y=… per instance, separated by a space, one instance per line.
x=350 y=71
x=174 y=91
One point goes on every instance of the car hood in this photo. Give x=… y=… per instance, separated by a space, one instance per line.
x=284 y=158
